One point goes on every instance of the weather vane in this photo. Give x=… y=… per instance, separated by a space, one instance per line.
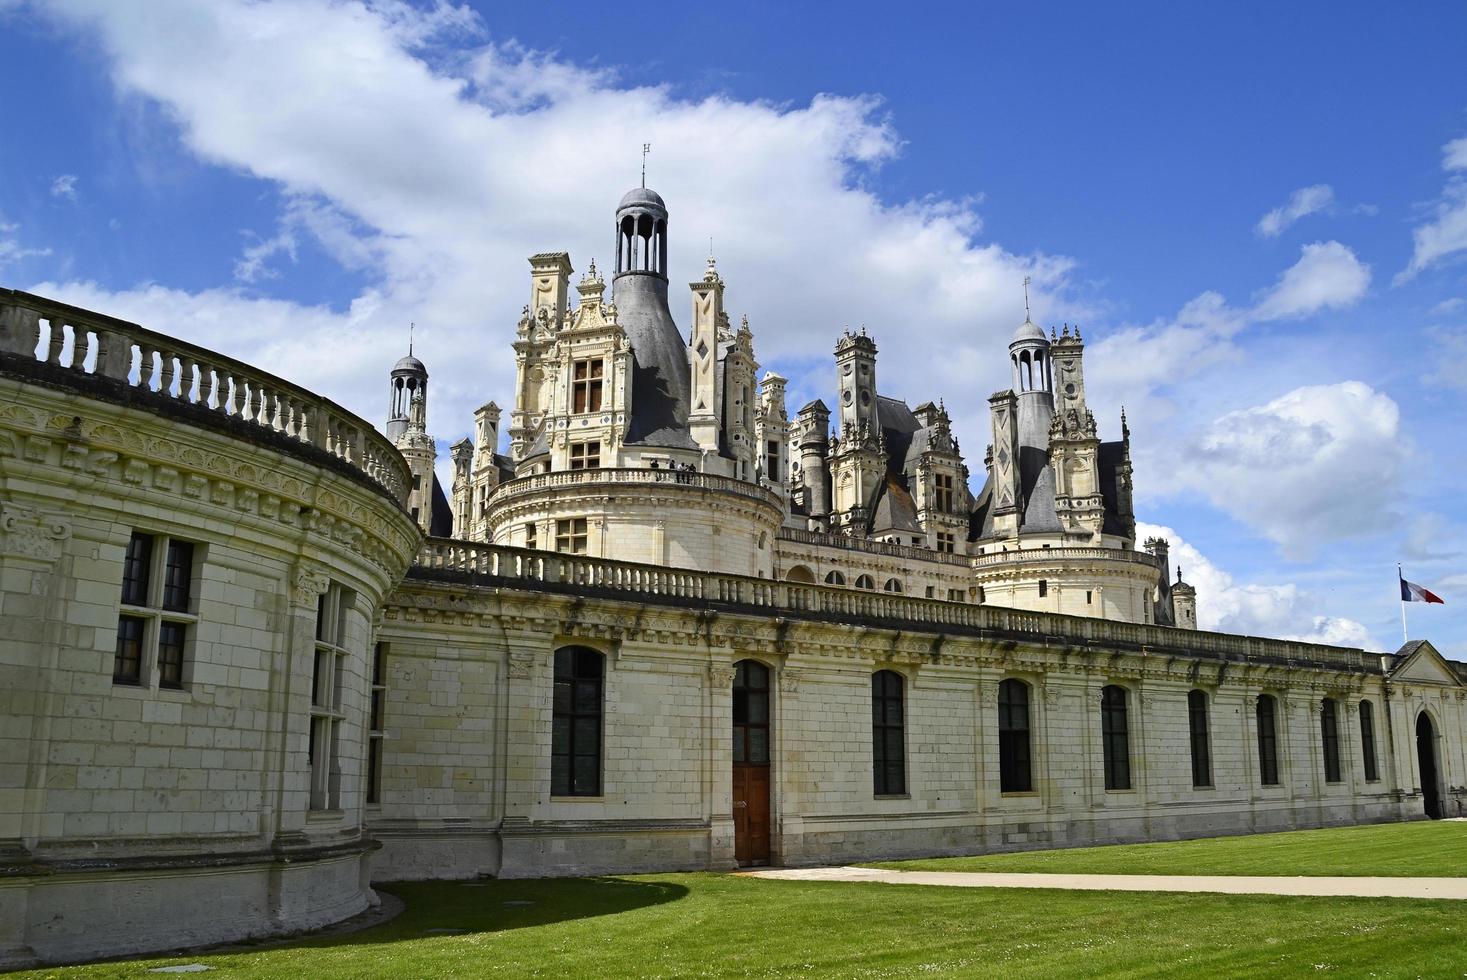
x=646 y=149
x=1026 y=297
x=410 y=338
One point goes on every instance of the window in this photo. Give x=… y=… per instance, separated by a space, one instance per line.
x=835 y=578
x=1089 y=597
x=751 y=713
x=892 y=585
x=888 y=750
x=575 y=734
x=586 y=386
x=375 y=724
x=531 y=535
x=1043 y=588
x=865 y=582
x=1115 y=737
x=570 y=535
x=1367 y=740
x=946 y=543
x=1268 y=746
x=327 y=681
x=585 y=455
x=154 y=616
x=930 y=592
x=1329 y=734
x=1014 y=770
x=954 y=595
x=1197 y=728
x=943 y=492
x=771 y=460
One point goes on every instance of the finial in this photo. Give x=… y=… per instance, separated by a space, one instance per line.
x=646 y=149
x=410 y=338
x=1179 y=573
x=1051 y=332
x=591 y=272
x=1026 y=298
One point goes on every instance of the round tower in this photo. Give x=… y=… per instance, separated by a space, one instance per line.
x=409 y=380
x=1033 y=382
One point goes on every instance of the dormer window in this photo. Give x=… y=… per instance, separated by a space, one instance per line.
x=586 y=378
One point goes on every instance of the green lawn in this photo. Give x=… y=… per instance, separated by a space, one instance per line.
x=1423 y=848
x=703 y=925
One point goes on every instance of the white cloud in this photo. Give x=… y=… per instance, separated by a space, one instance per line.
x=1294 y=469
x=1302 y=203
x=1449 y=356
x=11 y=250
x=1446 y=234
x=1327 y=276
x=413 y=149
x=64 y=186
x=1447 y=306
x=1283 y=611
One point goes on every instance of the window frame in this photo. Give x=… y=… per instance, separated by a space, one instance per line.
x=1367 y=741
x=1015 y=742
x=1267 y=739
x=376 y=724
x=572 y=535
x=587 y=385
x=585 y=455
x=1115 y=734
x=568 y=669
x=327 y=713
x=1199 y=738
x=947 y=542
x=149 y=604
x=740 y=699
x=888 y=733
x=943 y=492
x=1329 y=740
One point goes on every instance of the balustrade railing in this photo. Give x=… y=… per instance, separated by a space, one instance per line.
x=598 y=477
x=822 y=540
x=506 y=567
x=1062 y=554
x=70 y=338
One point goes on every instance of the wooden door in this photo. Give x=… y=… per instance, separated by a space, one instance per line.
x=751 y=770
x=751 y=813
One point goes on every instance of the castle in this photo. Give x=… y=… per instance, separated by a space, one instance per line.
x=254 y=658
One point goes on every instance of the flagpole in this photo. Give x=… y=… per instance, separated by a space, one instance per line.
x=1400 y=594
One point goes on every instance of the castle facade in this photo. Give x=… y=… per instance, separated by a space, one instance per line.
x=254 y=658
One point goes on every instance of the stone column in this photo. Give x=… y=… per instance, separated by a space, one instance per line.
x=718 y=712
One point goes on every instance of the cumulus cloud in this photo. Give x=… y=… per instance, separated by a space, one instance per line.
x=433 y=159
x=1293 y=468
x=64 y=186
x=1302 y=203
x=1283 y=611
x=1445 y=234
x=1327 y=276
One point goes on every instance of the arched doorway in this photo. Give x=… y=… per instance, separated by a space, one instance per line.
x=1426 y=761
x=751 y=741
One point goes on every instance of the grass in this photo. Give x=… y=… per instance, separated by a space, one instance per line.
x=1428 y=848
x=708 y=925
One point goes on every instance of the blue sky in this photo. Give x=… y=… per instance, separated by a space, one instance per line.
x=1257 y=211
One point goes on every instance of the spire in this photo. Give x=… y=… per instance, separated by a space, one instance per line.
x=410 y=338
x=1026 y=297
x=646 y=149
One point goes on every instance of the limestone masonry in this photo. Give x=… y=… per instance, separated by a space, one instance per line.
x=253 y=657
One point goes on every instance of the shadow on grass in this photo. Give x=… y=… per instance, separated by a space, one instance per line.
x=447 y=908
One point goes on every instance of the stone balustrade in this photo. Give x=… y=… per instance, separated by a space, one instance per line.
x=518 y=568
x=597 y=477
x=847 y=543
x=67 y=338
x=1036 y=556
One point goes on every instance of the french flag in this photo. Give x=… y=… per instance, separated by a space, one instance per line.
x=1411 y=592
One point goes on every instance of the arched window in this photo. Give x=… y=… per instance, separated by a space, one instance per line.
x=575 y=734
x=835 y=578
x=751 y=713
x=1367 y=740
x=1015 y=774
x=865 y=582
x=893 y=585
x=800 y=573
x=888 y=742
x=1197 y=728
x=1329 y=735
x=1115 y=737
x=1268 y=740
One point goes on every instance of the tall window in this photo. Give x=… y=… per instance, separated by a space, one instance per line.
x=155 y=613
x=1268 y=742
x=575 y=734
x=1043 y=588
x=586 y=385
x=888 y=723
x=1367 y=740
x=1329 y=733
x=570 y=535
x=946 y=543
x=943 y=492
x=532 y=538
x=375 y=724
x=585 y=455
x=771 y=461
x=1197 y=728
x=327 y=714
x=751 y=713
x=1015 y=774
x=1115 y=737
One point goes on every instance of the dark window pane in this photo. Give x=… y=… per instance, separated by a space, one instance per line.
x=170 y=654
x=739 y=738
x=374 y=770
x=321 y=616
x=759 y=745
x=560 y=784
x=1197 y=724
x=136 y=564
x=1330 y=737
x=177 y=571
x=1367 y=739
x=1115 y=738
x=1268 y=764
x=127 y=665
x=575 y=732
x=588 y=697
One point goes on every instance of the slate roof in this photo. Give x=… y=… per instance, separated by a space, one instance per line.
x=661 y=377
